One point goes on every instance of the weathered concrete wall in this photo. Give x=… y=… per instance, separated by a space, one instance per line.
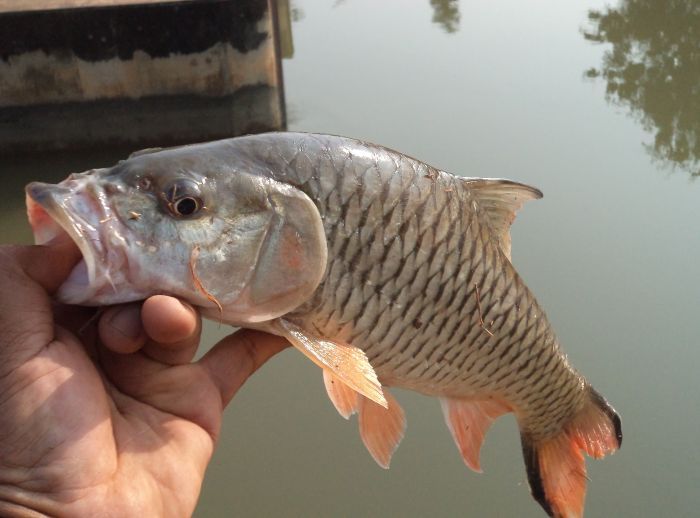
x=131 y=65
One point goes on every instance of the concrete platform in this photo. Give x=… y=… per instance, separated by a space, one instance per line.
x=79 y=72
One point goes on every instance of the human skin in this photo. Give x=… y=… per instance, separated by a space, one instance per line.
x=107 y=414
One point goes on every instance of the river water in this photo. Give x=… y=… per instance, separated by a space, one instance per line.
x=600 y=109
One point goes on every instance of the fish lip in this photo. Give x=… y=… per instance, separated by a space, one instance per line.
x=52 y=209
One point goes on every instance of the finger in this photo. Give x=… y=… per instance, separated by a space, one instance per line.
x=167 y=329
x=49 y=265
x=235 y=358
x=79 y=321
x=174 y=329
x=120 y=328
x=184 y=391
x=76 y=319
x=197 y=392
x=26 y=318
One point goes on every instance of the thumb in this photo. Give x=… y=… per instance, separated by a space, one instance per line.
x=29 y=274
x=50 y=264
x=235 y=358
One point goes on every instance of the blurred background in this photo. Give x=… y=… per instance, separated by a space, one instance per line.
x=596 y=104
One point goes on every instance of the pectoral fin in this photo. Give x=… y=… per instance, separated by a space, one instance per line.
x=348 y=363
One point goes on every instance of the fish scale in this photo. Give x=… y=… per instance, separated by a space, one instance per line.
x=467 y=363
x=381 y=269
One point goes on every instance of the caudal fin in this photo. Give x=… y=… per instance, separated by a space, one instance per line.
x=556 y=468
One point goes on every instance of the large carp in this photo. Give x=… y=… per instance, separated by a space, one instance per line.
x=381 y=269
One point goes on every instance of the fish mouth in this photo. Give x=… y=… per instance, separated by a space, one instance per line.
x=78 y=207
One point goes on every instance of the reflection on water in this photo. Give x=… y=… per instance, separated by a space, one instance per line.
x=446 y=14
x=653 y=68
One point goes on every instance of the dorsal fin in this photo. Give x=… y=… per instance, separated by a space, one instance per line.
x=501 y=199
x=146 y=151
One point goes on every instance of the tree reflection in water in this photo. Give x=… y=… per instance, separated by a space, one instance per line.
x=446 y=14
x=653 y=68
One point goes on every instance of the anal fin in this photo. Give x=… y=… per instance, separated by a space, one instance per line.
x=347 y=362
x=468 y=421
x=381 y=428
x=345 y=399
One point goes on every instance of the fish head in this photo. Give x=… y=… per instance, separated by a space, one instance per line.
x=221 y=234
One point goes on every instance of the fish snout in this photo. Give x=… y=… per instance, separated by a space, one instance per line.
x=42 y=201
x=46 y=193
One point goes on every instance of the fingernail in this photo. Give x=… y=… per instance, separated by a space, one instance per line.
x=127 y=322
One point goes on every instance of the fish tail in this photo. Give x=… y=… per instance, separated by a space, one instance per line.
x=556 y=468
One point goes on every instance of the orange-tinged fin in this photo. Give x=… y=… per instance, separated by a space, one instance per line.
x=556 y=467
x=345 y=399
x=500 y=199
x=348 y=363
x=381 y=428
x=468 y=421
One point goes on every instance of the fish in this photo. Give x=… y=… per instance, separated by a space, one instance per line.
x=381 y=269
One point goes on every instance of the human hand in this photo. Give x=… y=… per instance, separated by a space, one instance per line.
x=109 y=418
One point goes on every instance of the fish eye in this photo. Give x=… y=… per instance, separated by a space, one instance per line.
x=187 y=206
x=182 y=198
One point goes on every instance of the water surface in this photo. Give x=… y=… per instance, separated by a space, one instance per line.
x=601 y=112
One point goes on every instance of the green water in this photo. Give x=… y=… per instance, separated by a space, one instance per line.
x=603 y=115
